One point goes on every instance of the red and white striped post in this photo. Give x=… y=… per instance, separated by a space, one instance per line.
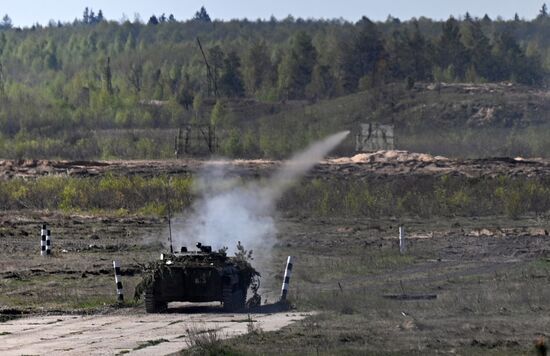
x=286 y=280
x=118 y=281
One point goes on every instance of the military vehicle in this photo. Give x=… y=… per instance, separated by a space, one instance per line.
x=197 y=276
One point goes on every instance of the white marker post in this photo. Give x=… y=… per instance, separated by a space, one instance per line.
x=48 y=243
x=118 y=281
x=43 y=240
x=286 y=280
x=402 y=246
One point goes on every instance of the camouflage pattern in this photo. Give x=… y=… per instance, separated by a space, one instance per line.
x=201 y=276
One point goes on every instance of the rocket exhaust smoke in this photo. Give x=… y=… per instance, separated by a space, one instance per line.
x=245 y=213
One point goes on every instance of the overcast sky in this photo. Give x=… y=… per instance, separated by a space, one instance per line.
x=27 y=12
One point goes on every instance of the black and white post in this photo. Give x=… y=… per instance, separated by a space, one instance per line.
x=286 y=280
x=402 y=245
x=118 y=281
x=48 y=243
x=43 y=240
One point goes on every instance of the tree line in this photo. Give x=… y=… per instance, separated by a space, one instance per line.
x=99 y=74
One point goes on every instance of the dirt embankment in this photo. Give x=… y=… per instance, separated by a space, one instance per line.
x=381 y=163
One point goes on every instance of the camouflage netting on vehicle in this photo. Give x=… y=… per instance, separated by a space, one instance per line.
x=157 y=269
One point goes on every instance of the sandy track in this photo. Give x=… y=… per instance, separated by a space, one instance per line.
x=112 y=334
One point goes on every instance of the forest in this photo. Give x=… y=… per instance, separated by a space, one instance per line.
x=96 y=88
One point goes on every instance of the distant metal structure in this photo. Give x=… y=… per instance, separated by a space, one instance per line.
x=195 y=139
x=211 y=80
x=374 y=137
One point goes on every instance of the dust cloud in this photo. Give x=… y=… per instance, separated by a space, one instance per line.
x=229 y=211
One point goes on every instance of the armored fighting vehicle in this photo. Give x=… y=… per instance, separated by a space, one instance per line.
x=197 y=276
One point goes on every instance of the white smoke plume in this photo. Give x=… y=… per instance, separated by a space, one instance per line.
x=228 y=212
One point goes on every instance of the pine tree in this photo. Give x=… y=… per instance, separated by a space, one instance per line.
x=361 y=55
x=130 y=43
x=450 y=50
x=323 y=83
x=399 y=54
x=297 y=66
x=257 y=66
x=419 y=51
x=202 y=15
x=479 y=48
x=108 y=77
x=185 y=95
x=543 y=13
x=153 y=20
x=51 y=61
x=6 y=22
x=135 y=77
x=86 y=16
x=216 y=62
x=231 y=81
x=512 y=63
x=2 y=81
x=3 y=41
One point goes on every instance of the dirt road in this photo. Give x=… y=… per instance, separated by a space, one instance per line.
x=141 y=334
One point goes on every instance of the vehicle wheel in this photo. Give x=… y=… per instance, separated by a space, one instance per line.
x=240 y=299
x=227 y=295
x=152 y=305
x=233 y=300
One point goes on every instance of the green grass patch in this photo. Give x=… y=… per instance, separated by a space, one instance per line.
x=414 y=196
x=541 y=263
x=91 y=303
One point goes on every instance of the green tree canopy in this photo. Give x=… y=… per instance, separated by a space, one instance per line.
x=297 y=66
x=361 y=54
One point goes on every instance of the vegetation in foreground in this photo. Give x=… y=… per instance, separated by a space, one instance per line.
x=423 y=196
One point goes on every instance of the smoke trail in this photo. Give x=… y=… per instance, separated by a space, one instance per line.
x=228 y=212
x=300 y=164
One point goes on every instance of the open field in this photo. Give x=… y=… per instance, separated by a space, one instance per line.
x=489 y=275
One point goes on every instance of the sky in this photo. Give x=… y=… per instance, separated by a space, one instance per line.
x=24 y=13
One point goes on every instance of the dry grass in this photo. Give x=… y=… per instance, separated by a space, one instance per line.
x=204 y=341
x=485 y=305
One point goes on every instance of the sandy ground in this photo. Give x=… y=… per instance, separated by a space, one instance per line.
x=381 y=163
x=113 y=334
